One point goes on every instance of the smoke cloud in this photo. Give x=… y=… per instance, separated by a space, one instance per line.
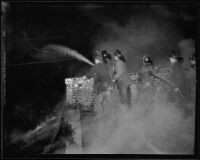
x=144 y=34
x=157 y=129
x=160 y=130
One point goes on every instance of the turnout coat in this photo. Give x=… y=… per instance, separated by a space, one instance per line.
x=122 y=78
x=102 y=78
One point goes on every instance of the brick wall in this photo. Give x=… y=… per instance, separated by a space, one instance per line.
x=80 y=91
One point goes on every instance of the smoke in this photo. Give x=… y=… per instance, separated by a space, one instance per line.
x=157 y=129
x=160 y=128
x=142 y=34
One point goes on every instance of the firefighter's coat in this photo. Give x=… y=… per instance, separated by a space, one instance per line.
x=145 y=85
x=102 y=79
x=144 y=77
x=178 y=79
x=191 y=82
x=122 y=78
x=102 y=84
x=177 y=76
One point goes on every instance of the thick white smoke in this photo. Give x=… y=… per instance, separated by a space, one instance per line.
x=164 y=130
x=161 y=130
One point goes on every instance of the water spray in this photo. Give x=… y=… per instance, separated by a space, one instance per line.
x=63 y=51
x=53 y=53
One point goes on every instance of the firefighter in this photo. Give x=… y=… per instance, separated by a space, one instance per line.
x=145 y=91
x=177 y=76
x=176 y=95
x=122 y=78
x=102 y=82
x=191 y=82
x=107 y=60
x=144 y=73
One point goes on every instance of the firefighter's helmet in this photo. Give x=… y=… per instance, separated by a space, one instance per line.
x=193 y=57
x=119 y=54
x=174 y=55
x=106 y=55
x=147 y=59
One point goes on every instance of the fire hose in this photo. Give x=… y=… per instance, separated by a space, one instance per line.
x=171 y=84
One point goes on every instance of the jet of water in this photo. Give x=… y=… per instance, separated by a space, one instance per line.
x=53 y=51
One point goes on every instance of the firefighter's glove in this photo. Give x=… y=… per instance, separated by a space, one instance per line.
x=176 y=89
x=113 y=80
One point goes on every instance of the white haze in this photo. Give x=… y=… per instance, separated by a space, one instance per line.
x=163 y=130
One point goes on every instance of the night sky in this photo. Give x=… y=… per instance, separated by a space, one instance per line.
x=33 y=90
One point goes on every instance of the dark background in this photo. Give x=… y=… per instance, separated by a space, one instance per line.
x=33 y=90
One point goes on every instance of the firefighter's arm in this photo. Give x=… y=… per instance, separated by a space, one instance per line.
x=91 y=73
x=118 y=72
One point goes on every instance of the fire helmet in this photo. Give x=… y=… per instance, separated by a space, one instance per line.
x=119 y=54
x=174 y=55
x=106 y=55
x=193 y=57
x=147 y=59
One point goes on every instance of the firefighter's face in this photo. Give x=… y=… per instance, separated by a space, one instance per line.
x=97 y=61
x=116 y=58
x=172 y=60
x=192 y=62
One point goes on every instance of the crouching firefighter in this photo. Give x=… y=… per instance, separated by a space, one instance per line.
x=146 y=74
x=122 y=78
x=102 y=82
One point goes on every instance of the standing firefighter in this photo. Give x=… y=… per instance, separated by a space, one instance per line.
x=107 y=60
x=191 y=82
x=177 y=79
x=177 y=76
x=102 y=82
x=122 y=78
